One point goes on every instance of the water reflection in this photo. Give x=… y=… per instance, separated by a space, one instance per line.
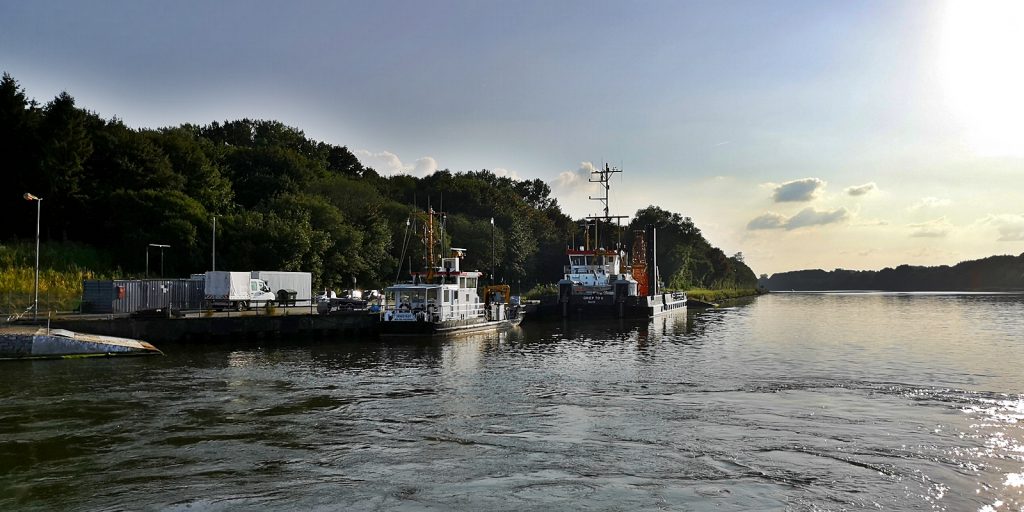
x=791 y=402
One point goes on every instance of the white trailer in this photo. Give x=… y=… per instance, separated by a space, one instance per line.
x=299 y=282
x=236 y=290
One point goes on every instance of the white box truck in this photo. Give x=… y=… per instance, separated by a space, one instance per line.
x=235 y=290
x=299 y=282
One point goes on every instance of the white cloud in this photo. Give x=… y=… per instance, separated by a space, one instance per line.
x=860 y=190
x=569 y=181
x=387 y=163
x=503 y=173
x=804 y=218
x=796 y=191
x=424 y=166
x=929 y=202
x=811 y=217
x=769 y=220
x=1010 y=226
x=937 y=228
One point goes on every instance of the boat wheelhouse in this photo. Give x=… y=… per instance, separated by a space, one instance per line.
x=597 y=281
x=445 y=300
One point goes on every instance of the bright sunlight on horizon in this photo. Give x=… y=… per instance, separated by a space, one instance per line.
x=982 y=73
x=822 y=134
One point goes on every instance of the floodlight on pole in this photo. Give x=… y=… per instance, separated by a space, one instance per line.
x=162 y=247
x=39 y=211
x=492 y=250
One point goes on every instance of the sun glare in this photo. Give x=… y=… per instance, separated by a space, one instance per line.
x=982 y=72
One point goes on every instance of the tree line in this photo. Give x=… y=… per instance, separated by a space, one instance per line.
x=995 y=273
x=282 y=201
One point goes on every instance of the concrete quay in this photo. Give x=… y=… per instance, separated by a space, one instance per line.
x=223 y=327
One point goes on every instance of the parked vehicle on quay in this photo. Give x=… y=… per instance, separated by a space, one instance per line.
x=235 y=290
x=290 y=288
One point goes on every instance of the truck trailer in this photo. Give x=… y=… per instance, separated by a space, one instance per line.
x=298 y=286
x=235 y=290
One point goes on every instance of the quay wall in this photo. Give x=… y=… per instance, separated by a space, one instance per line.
x=216 y=328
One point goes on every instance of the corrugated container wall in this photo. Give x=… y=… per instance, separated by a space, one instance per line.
x=131 y=295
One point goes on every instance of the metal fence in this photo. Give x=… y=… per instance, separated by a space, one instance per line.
x=132 y=295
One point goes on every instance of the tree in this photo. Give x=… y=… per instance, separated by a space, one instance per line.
x=19 y=158
x=66 y=144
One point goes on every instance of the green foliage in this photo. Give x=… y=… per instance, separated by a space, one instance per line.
x=995 y=273
x=719 y=295
x=63 y=266
x=686 y=259
x=282 y=202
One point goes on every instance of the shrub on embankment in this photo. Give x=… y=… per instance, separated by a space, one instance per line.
x=721 y=295
x=62 y=268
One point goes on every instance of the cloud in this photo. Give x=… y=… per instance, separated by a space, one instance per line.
x=568 y=181
x=804 y=218
x=388 y=163
x=860 y=190
x=502 y=173
x=769 y=220
x=937 y=228
x=929 y=202
x=798 y=190
x=811 y=217
x=1010 y=226
x=424 y=166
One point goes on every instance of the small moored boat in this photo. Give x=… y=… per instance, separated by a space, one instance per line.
x=444 y=302
x=31 y=342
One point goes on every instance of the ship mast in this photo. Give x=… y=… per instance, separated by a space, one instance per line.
x=602 y=177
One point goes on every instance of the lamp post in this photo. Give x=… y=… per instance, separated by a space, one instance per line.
x=213 y=255
x=39 y=211
x=492 y=250
x=162 y=247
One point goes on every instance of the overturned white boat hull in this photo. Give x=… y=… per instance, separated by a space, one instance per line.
x=43 y=343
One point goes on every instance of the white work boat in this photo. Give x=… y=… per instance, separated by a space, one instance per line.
x=598 y=283
x=32 y=342
x=444 y=302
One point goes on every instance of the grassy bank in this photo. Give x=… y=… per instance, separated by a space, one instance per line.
x=696 y=293
x=721 y=295
x=62 y=267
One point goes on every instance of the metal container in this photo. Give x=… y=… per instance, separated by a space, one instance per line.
x=131 y=295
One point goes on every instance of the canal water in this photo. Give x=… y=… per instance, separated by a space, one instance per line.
x=863 y=401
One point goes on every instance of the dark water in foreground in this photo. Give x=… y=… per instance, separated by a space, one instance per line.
x=791 y=402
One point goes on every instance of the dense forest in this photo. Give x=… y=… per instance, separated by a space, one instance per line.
x=995 y=273
x=283 y=201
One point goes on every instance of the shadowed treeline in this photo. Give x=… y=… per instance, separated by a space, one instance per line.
x=282 y=201
x=995 y=273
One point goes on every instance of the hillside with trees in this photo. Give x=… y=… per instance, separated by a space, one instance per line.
x=284 y=201
x=995 y=273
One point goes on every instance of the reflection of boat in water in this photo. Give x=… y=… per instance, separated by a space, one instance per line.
x=598 y=284
x=42 y=343
x=444 y=301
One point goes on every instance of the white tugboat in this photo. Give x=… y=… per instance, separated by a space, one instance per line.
x=444 y=300
x=598 y=284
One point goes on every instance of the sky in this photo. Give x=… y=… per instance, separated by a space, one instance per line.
x=804 y=134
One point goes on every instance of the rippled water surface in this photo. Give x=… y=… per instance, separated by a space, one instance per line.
x=789 y=402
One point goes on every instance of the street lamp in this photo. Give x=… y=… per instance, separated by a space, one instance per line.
x=39 y=210
x=213 y=251
x=492 y=250
x=162 y=247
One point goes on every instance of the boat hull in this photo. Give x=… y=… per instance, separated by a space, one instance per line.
x=41 y=343
x=605 y=306
x=397 y=329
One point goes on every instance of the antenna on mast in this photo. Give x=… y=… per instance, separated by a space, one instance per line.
x=602 y=177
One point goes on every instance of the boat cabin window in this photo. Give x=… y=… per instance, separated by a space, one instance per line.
x=470 y=282
x=410 y=298
x=447 y=296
